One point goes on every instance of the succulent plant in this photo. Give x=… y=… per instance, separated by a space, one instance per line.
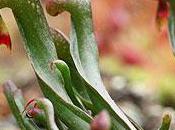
x=67 y=71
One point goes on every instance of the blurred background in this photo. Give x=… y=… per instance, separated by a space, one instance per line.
x=136 y=60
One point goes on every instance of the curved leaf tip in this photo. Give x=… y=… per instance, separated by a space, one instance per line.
x=166 y=121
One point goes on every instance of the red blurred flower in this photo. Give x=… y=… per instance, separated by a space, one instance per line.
x=5 y=39
x=162 y=12
x=128 y=54
x=4 y=35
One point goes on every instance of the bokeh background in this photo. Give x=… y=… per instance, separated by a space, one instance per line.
x=136 y=60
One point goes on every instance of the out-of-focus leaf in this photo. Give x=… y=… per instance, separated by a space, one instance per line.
x=171 y=24
x=16 y=103
x=135 y=124
x=166 y=121
x=4 y=34
x=41 y=51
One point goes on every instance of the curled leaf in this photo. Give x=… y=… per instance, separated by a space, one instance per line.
x=64 y=69
x=62 y=45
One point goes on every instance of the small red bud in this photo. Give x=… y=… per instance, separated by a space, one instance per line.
x=33 y=112
x=53 y=8
x=5 y=39
x=31 y=109
x=101 y=121
x=28 y=104
x=162 y=12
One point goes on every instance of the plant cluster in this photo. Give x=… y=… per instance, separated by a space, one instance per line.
x=67 y=70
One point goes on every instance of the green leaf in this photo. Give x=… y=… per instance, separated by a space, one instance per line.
x=62 y=45
x=166 y=121
x=85 y=56
x=16 y=103
x=64 y=69
x=70 y=115
x=63 y=51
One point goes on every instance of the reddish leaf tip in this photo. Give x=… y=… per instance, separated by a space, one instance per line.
x=52 y=7
x=101 y=121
